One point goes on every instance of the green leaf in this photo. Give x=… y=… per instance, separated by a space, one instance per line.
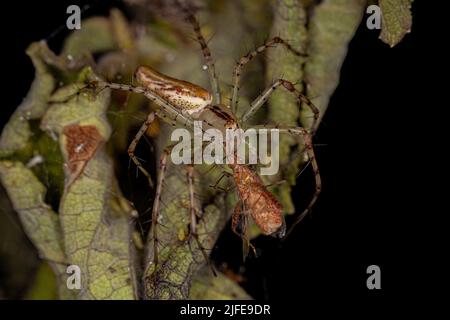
x=396 y=20
x=40 y=222
x=289 y=23
x=17 y=132
x=94 y=36
x=96 y=232
x=331 y=26
x=91 y=228
x=44 y=285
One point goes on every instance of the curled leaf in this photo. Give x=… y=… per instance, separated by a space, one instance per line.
x=96 y=233
x=17 y=132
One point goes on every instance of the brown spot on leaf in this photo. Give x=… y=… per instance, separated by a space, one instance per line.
x=81 y=144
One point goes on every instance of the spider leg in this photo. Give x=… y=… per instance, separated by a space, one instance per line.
x=289 y=86
x=205 y=51
x=247 y=58
x=157 y=201
x=136 y=139
x=302 y=132
x=167 y=108
x=193 y=213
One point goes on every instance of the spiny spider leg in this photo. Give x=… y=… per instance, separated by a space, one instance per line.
x=157 y=201
x=168 y=111
x=205 y=51
x=132 y=147
x=193 y=224
x=302 y=132
x=262 y=98
x=247 y=58
x=166 y=106
x=192 y=206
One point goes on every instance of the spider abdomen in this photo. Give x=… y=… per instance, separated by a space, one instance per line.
x=188 y=97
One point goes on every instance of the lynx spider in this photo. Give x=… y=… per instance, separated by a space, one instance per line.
x=183 y=102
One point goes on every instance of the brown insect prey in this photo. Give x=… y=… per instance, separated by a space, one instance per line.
x=265 y=209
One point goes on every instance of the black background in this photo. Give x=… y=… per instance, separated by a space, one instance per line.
x=369 y=187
